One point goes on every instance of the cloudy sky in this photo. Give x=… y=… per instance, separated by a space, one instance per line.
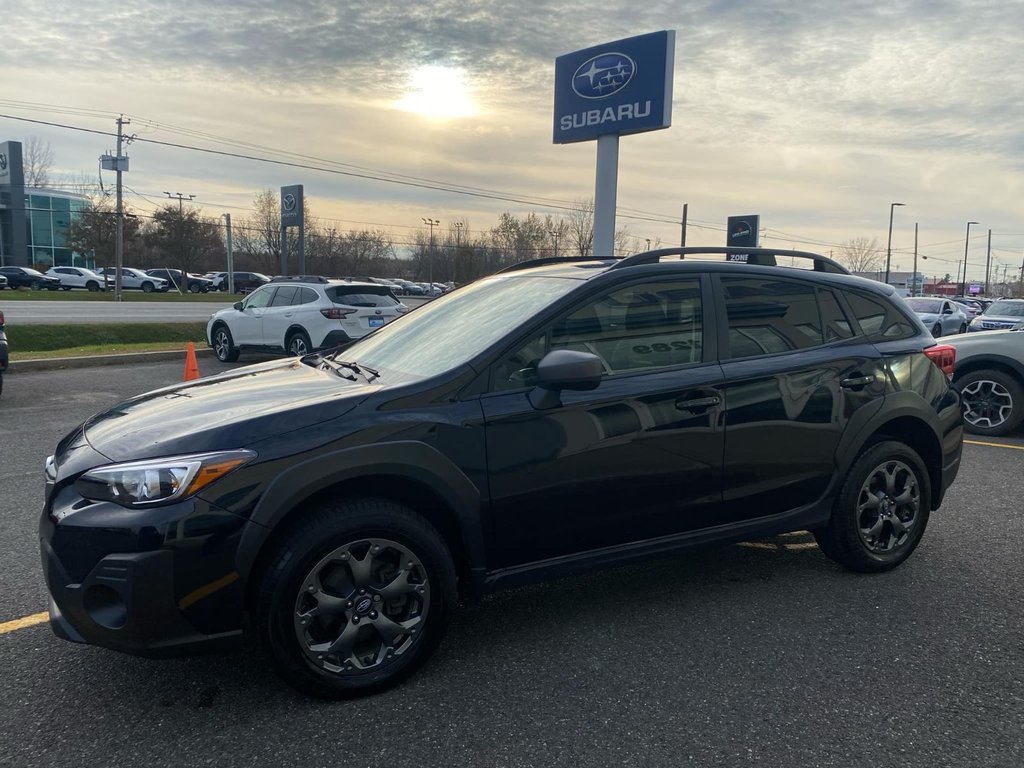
x=815 y=114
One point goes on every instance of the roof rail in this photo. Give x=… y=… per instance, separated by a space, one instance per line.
x=549 y=260
x=759 y=256
x=299 y=279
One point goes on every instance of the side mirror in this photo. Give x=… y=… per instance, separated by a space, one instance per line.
x=947 y=311
x=237 y=305
x=564 y=369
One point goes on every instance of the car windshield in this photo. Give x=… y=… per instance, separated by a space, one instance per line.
x=1006 y=309
x=926 y=305
x=451 y=330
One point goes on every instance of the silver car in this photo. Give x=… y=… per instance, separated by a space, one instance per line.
x=940 y=316
x=989 y=372
x=1002 y=315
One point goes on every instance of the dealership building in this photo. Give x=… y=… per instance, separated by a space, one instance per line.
x=34 y=222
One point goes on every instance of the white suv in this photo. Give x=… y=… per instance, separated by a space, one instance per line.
x=135 y=278
x=78 y=277
x=301 y=314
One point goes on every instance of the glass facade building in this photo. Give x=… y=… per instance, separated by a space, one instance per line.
x=48 y=214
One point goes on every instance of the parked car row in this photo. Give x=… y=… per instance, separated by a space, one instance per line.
x=3 y=352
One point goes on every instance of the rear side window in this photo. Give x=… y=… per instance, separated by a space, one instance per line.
x=879 y=320
x=768 y=316
x=362 y=296
x=305 y=296
x=284 y=296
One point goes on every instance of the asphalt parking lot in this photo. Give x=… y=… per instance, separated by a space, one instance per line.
x=758 y=654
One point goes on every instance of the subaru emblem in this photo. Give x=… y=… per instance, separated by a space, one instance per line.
x=603 y=75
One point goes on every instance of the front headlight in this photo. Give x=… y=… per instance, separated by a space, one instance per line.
x=976 y=320
x=158 y=481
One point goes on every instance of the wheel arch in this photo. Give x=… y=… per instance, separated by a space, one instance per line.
x=995 y=362
x=292 y=330
x=413 y=474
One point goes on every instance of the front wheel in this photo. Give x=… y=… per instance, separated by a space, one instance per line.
x=147 y=287
x=881 y=511
x=993 y=402
x=936 y=330
x=92 y=286
x=36 y=285
x=194 y=288
x=223 y=345
x=298 y=344
x=356 y=598
x=963 y=328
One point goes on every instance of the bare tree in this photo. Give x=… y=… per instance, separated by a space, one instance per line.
x=37 y=160
x=860 y=254
x=580 y=221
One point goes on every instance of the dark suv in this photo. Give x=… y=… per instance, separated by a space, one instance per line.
x=548 y=420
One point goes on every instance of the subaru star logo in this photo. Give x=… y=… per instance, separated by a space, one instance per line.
x=289 y=202
x=603 y=75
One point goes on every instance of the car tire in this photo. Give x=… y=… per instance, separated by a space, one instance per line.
x=881 y=511
x=36 y=285
x=936 y=331
x=963 y=328
x=298 y=344
x=147 y=287
x=223 y=345
x=993 y=402
x=92 y=286
x=194 y=288
x=309 y=598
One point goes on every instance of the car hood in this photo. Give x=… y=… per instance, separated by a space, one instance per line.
x=1000 y=318
x=232 y=410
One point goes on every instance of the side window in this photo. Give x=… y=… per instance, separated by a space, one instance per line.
x=878 y=319
x=305 y=296
x=767 y=316
x=259 y=298
x=284 y=296
x=650 y=325
x=833 y=320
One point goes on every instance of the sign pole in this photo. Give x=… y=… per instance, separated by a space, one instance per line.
x=605 y=194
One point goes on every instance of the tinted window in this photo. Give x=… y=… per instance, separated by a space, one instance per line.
x=878 y=318
x=934 y=306
x=284 y=296
x=362 y=296
x=833 y=319
x=305 y=296
x=768 y=316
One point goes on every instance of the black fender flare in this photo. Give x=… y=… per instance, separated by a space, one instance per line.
x=411 y=460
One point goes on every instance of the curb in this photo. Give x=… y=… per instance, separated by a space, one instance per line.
x=87 y=361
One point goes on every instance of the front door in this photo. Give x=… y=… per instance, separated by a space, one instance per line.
x=246 y=324
x=637 y=458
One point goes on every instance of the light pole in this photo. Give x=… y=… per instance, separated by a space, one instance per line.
x=913 y=276
x=888 y=246
x=430 y=275
x=967 y=242
x=555 y=234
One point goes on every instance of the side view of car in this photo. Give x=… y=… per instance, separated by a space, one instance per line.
x=191 y=283
x=245 y=282
x=135 y=279
x=990 y=375
x=940 y=316
x=26 y=277
x=78 y=277
x=301 y=314
x=548 y=420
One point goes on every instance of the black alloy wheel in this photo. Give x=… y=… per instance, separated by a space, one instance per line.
x=993 y=402
x=355 y=598
x=223 y=345
x=936 y=330
x=298 y=344
x=881 y=511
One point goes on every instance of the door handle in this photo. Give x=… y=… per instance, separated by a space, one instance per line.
x=697 y=402
x=857 y=382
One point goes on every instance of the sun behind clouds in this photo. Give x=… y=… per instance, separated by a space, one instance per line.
x=438 y=92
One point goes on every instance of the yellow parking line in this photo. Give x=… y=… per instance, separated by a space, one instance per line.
x=995 y=445
x=24 y=621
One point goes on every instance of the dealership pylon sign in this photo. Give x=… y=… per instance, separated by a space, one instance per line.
x=608 y=91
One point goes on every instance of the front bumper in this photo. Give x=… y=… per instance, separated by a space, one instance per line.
x=157 y=582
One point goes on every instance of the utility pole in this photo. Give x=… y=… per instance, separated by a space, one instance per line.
x=888 y=246
x=555 y=234
x=430 y=275
x=913 y=277
x=682 y=237
x=988 y=261
x=967 y=241
x=119 y=239
x=1020 y=284
x=231 y=257
x=181 y=233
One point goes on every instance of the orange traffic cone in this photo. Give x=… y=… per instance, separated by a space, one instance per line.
x=191 y=366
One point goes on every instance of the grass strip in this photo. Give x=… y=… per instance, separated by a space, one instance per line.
x=24 y=294
x=100 y=338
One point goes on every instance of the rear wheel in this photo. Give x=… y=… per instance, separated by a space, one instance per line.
x=881 y=511
x=993 y=402
x=223 y=345
x=298 y=344
x=356 y=598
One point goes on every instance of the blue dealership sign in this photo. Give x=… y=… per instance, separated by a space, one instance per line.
x=617 y=88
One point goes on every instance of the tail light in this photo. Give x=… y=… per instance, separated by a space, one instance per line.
x=944 y=356
x=336 y=313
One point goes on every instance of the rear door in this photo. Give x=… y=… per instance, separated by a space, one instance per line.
x=795 y=375
x=277 y=316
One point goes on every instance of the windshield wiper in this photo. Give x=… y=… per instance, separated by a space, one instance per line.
x=337 y=368
x=353 y=366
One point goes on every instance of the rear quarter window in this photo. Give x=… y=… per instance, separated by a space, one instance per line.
x=879 y=319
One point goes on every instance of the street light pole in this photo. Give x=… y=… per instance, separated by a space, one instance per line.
x=888 y=247
x=967 y=242
x=555 y=234
x=430 y=275
x=913 y=277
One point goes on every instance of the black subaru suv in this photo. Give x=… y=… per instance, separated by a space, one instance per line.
x=560 y=416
